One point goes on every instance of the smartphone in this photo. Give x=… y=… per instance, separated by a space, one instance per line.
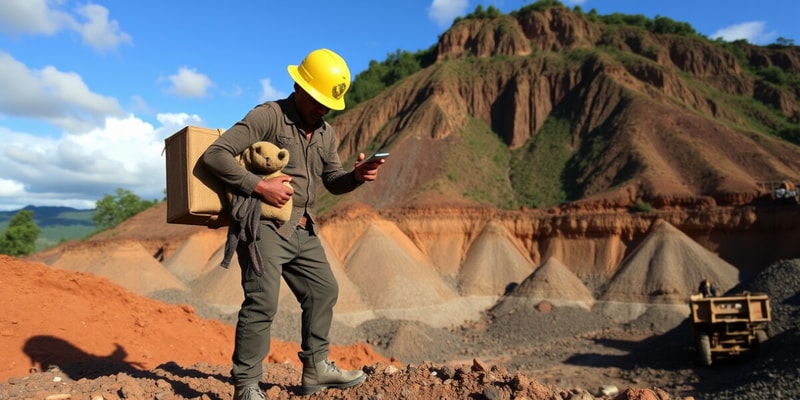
x=377 y=156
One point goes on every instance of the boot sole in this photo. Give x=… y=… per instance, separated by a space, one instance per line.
x=306 y=390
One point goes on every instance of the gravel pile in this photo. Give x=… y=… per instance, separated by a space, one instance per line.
x=655 y=347
x=776 y=374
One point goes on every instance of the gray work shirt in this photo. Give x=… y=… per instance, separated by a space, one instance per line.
x=310 y=161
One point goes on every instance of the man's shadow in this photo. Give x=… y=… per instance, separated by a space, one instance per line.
x=47 y=351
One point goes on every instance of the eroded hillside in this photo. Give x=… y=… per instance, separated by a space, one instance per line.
x=581 y=110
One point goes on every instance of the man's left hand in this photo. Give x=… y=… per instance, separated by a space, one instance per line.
x=367 y=171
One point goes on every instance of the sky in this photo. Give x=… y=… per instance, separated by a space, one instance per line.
x=89 y=90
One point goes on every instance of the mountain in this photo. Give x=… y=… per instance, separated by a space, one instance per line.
x=539 y=108
x=45 y=216
x=57 y=224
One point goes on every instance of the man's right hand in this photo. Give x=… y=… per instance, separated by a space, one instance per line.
x=275 y=191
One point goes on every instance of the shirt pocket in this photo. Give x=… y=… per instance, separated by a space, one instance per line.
x=289 y=143
x=317 y=160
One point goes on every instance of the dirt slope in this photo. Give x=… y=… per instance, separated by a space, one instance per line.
x=56 y=317
x=66 y=334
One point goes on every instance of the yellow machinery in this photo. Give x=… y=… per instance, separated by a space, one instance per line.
x=729 y=325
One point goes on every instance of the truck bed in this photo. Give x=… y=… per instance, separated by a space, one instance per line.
x=747 y=307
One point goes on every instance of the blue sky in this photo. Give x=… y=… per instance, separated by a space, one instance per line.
x=90 y=90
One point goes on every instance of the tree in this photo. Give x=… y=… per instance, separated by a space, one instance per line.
x=111 y=210
x=380 y=75
x=784 y=42
x=19 y=239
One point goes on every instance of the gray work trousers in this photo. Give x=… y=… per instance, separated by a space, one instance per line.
x=302 y=262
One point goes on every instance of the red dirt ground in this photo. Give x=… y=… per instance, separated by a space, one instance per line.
x=51 y=317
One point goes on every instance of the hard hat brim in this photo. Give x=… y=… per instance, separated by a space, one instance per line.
x=326 y=101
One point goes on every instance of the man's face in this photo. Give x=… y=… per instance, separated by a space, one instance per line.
x=310 y=110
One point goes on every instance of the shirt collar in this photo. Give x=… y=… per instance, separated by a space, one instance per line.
x=291 y=116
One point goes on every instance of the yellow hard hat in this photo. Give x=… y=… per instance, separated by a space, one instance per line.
x=324 y=75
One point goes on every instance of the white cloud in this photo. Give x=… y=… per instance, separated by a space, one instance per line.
x=61 y=98
x=41 y=17
x=189 y=83
x=10 y=188
x=268 y=92
x=32 y=17
x=754 y=32
x=99 y=32
x=443 y=12
x=174 y=122
x=75 y=170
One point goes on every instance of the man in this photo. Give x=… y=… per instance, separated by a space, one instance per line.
x=707 y=289
x=291 y=250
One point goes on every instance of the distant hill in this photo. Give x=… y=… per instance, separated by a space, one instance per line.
x=58 y=224
x=53 y=216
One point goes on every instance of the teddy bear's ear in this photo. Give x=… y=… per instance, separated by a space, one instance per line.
x=240 y=158
x=246 y=157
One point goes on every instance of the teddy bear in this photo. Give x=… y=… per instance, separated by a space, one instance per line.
x=267 y=159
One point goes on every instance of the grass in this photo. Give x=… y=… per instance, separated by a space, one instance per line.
x=477 y=166
x=54 y=235
x=537 y=166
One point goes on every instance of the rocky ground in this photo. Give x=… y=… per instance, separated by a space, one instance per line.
x=552 y=353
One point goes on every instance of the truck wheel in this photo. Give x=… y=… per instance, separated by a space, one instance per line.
x=703 y=349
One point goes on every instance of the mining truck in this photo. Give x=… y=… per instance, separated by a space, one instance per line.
x=782 y=191
x=729 y=325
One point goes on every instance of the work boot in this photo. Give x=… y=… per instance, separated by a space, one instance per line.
x=249 y=392
x=325 y=374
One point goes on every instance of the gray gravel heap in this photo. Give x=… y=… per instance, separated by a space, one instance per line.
x=776 y=374
x=531 y=339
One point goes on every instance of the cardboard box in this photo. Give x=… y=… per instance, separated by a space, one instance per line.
x=194 y=195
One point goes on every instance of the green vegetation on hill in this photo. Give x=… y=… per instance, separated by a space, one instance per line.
x=53 y=235
x=381 y=75
x=113 y=209
x=477 y=166
x=537 y=168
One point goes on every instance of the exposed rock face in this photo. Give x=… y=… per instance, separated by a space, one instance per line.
x=590 y=243
x=420 y=258
x=659 y=118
